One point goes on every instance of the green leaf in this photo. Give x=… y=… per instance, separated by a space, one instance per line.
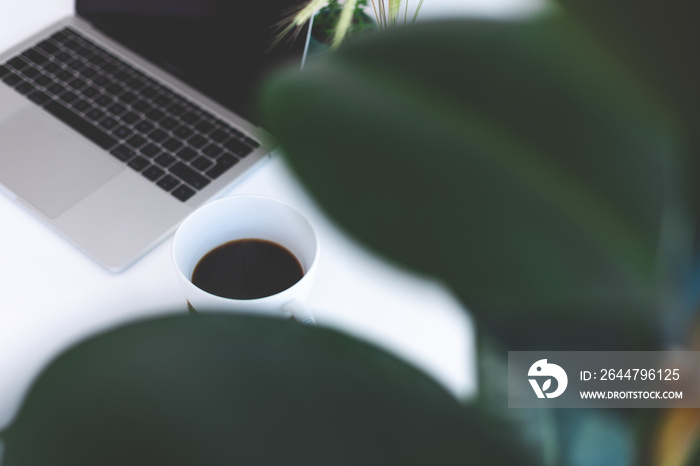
x=518 y=162
x=222 y=390
x=658 y=40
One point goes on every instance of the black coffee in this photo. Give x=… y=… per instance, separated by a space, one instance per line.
x=247 y=269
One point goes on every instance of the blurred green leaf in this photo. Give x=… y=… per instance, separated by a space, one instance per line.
x=222 y=390
x=658 y=40
x=519 y=162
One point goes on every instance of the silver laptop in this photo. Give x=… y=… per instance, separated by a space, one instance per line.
x=117 y=122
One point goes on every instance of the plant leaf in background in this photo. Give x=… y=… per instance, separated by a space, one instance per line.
x=222 y=390
x=518 y=162
x=344 y=22
x=658 y=40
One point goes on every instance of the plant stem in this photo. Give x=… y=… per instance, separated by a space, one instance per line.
x=415 y=16
x=382 y=12
x=375 y=11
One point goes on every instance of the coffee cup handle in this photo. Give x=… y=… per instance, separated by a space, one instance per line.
x=300 y=312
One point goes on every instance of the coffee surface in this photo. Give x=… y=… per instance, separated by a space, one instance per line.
x=247 y=269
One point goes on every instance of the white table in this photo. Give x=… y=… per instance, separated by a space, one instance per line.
x=51 y=296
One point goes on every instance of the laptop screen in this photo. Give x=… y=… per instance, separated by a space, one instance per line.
x=221 y=47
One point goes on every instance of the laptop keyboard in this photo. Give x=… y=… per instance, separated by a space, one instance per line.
x=155 y=131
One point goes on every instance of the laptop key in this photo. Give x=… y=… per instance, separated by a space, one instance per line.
x=177 y=109
x=90 y=92
x=84 y=52
x=191 y=118
x=4 y=71
x=122 y=132
x=47 y=47
x=77 y=83
x=68 y=97
x=197 y=141
x=103 y=100
x=153 y=172
x=51 y=67
x=114 y=89
x=63 y=57
x=219 y=135
x=212 y=150
x=168 y=182
x=81 y=105
x=168 y=123
x=123 y=152
x=238 y=147
x=201 y=163
x=30 y=72
x=17 y=63
x=24 y=87
x=163 y=100
x=95 y=114
x=88 y=73
x=189 y=176
x=97 y=60
x=130 y=117
x=148 y=92
x=117 y=109
x=43 y=80
x=172 y=144
x=158 y=135
x=39 y=97
x=142 y=106
x=71 y=44
x=136 y=141
x=183 y=193
x=76 y=65
x=61 y=36
x=108 y=123
x=183 y=132
x=55 y=89
x=150 y=150
x=122 y=76
x=165 y=160
x=155 y=115
x=139 y=163
x=102 y=80
x=64 y=75
x=94 y=134
x=127 y=97
x=205 y=127
x=12 y=79
x=135 y=84
x=223 y=163
x=187 y=154
x=34 y=56
x=144 y=126
x=109 y=68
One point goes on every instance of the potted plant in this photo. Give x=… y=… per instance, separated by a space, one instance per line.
x=334 y=20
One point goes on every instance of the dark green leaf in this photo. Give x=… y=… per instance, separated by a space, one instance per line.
x=518 y=162
x=658 y=40
x=223 y=390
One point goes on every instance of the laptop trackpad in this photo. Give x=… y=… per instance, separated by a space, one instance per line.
x=46 y=164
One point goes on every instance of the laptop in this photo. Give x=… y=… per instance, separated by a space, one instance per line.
x=117 y=122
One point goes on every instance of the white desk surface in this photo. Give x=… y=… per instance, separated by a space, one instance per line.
x=51 y=296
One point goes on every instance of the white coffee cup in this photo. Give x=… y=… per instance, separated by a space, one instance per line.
x=247 y=217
